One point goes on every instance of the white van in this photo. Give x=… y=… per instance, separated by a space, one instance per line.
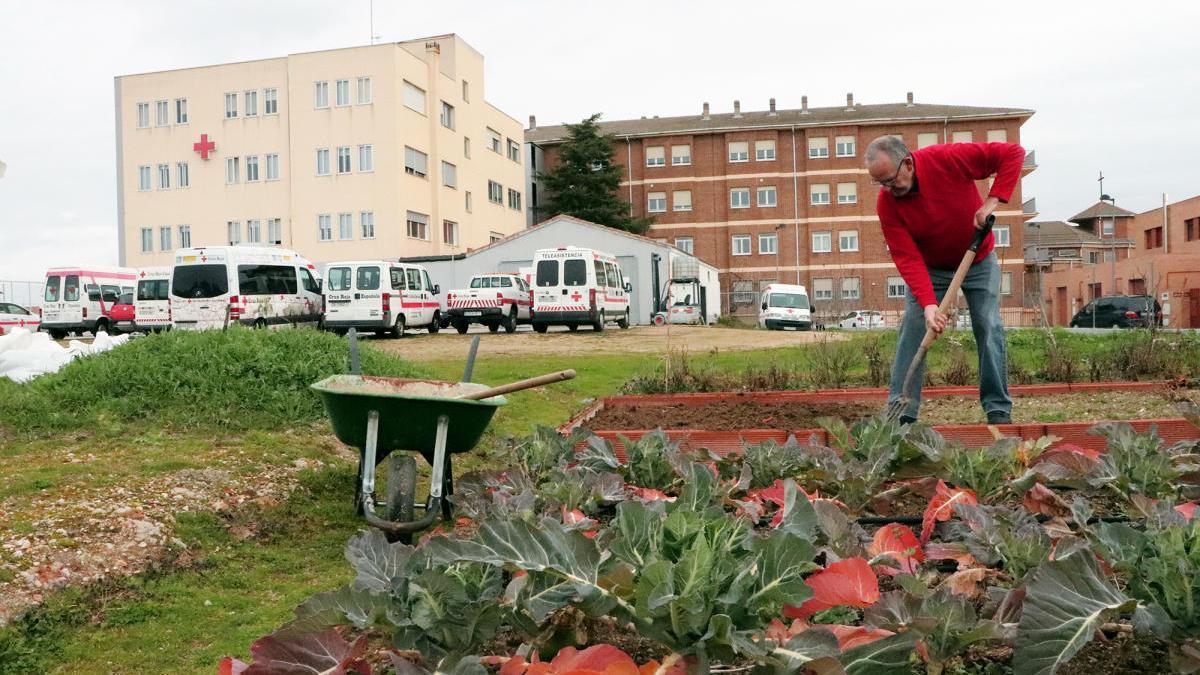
x=382 y=296
x=784 y=306
x=152 y=302
x=575 y=286
x=80 y=299
x=215 y=286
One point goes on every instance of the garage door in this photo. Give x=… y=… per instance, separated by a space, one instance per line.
x=637 y=299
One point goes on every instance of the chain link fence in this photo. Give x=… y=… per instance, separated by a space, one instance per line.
x=24 y=293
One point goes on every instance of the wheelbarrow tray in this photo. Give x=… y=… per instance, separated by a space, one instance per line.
x=407 y=421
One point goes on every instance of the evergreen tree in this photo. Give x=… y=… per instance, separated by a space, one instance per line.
x=585 y=182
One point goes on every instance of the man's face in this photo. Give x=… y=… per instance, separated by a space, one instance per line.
x=895 y=179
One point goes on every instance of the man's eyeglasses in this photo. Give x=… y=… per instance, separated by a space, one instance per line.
x=891 y=182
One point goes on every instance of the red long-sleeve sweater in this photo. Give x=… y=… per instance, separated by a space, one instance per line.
x=933 y=226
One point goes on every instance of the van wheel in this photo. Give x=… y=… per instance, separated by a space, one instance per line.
x=57 y=334
x=101 y=326
x=260 y=323
x=461 y=327
x=510 y=323
x=623 y=324
x=540 y=327
x=437 y=323
x=573 y=327
x=493 y=327
x=599 y=325
x=398 y=328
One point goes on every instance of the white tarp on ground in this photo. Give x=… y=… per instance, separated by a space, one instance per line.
x=25 y=355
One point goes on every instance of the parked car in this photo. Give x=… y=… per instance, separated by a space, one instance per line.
x=862 y=319
x=962 y=320
x=122 y=314
x=494 y=300
x=13 y=316
x=1119 y=311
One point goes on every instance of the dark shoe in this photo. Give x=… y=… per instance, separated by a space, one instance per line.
x=999 y=417
x=905 y=419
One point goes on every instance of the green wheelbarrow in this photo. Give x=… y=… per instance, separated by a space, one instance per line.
x=380 y=415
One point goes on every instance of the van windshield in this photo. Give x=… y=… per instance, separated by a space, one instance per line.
x=575 y=272
x=547 y=273
x=199 y=281
x=788 y=300
x=152 y=289
x=339 y=278
x=52 y=284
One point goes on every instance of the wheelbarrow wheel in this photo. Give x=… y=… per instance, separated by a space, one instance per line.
x=401 y=490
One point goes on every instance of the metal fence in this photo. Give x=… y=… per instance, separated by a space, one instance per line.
x=24 y=293
x=743 y=306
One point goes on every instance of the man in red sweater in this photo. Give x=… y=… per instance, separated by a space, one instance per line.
x=929 y=206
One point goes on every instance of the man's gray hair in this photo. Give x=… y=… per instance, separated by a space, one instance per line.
x=892 y=146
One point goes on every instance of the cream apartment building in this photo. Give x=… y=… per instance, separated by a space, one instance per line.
x=380 y=151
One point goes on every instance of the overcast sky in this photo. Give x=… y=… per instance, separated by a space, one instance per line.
x=1114 y=89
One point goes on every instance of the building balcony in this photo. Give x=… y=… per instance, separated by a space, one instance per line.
x=1030 y=163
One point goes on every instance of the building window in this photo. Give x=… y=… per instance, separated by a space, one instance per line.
x=345 y=225
x=324 y=227
x=681 y=155
x=366 y=158
x=164 y=176
x=366 y=223
x=1001 y=234
x=767 y=196
x=144 y=177
x=343 y=157
x=1154 y=237
x=467 y=200
x=447 y=117
x=997 y=136
x=847 y=193
x=322 y=161
x=514 y=151
x=1093 y=257
x=181 y=111
x=233 y=229
x=232 y=171
x=848 y=241
x=147 y=240
x=1006 y=283
x=656 y=202
x=143 y=115
x=896 y=288
x=822 y=242
x=739 y=151
x=320 y=94
x=182 y=175
x=494 y=141
x=364 y=90
x=739 y=198
x=514 y=199
x=271 y=101
x=273 y=166
x=416 y=162
x=822 y=289
x=743 y=292
x=685 y=244
x=230 y=106
x=961 y=137
x=764 y=151
x=927 y=139
x=252 y=169
x=1108 y=226
x=342 y=93
x=818 y=148
x=185 y=236
x=655 y=156
x=254 y=231
x=850 y=288
x=449 y=175
x=274 y=231
x=164 y=238
x=1191 y=229
x=494 y=237
x=466 y=91
x=252 y=103
x=768 y=244
x=450 y=233
x=495 y=192
x=467 y=147
x=819 y=193
x=681 y=200
x=162 y=115
x=741 y=244
x=417 y=225
x=844 y=146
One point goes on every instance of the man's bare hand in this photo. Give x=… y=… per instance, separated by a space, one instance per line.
x=984 y=211
x=934 y=319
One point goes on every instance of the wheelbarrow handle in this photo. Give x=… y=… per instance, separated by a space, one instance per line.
x=518 y=386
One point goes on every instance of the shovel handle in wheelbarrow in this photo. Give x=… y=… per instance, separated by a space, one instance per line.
x=530 y=383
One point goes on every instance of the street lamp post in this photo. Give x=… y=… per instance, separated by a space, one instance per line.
x=778 y=241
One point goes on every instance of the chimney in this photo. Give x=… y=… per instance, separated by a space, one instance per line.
x=909 y=104
x=737 y=108
x=850 y=101
x=803 y=105
x=772 y=113
x=532 y=122
x=705 y=115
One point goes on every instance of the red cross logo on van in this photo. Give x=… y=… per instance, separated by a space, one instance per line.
x=576 y=296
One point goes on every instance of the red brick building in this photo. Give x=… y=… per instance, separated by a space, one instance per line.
x=784 y=195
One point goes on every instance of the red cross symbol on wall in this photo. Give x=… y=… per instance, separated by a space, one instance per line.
x=204 y=147
x=576 y=296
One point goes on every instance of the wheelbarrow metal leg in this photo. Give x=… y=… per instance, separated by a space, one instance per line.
x=439 y=457
x=367 y=487
x=369 y=452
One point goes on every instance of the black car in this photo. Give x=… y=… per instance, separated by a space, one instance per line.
x=1119 y=311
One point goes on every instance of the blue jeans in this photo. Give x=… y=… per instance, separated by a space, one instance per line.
x=982 y=290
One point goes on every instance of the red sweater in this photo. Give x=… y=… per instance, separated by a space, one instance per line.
x=933 y=226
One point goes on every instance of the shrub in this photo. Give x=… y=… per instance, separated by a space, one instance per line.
x=829 y=362
x=879 y=364
x=958 y=371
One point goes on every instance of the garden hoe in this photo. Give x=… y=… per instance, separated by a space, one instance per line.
x=896 y=409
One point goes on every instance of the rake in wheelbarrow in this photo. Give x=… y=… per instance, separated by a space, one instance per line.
x=435 y=419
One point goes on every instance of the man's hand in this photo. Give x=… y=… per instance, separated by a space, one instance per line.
x=984 y=211
x=934 y=319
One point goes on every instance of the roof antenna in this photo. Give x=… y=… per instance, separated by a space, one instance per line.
x=374 y=37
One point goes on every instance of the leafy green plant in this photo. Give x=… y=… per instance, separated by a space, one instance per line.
x=651 y=460
x=1136 y=463
x=545 y=451
x=996 y=535
x=985 y=470
x=868 y=454
x=945 y=625
x=769 y=461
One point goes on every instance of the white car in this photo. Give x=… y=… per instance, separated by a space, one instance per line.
x=862 y=319
x=13 y=316
x=494 y=300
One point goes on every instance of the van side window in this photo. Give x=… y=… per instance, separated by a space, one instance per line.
x=71 y=288
x=339 y=278
x=575 y=272
x=614 y=275
x=310 y=284
x=368 y=279
x=397 y=279
x=92 y=291
x=601 y=274
x=414 y=279
x=52 y=284
x=506 y=282
x=547 y=273
x=111 y=293
x=266 y=280
x=428 y=283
